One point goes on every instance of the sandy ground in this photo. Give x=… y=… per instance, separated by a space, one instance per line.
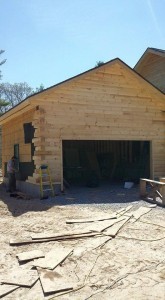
x=130 y=266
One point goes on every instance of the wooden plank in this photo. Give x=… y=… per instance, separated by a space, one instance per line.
x=53 y=282
x=53 y=258
x=112 y=231
x=140 y=212
x=47 y=235
x=20 y=277
x=20 y=241
x=94 y=219
x=157 y=189
x=103 y=225
x=162 y=179
x=91 y=244
x=153 y=181
x=35 y=293
x=123 y=211
x=143 y=192
x=15 y=242
x=6 y=289
x=163 y=195
x=24 y=256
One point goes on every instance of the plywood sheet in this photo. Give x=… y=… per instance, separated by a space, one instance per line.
x=91 y=244
x=35 y=293
x=20 y=277
x=140 y=212
x=112 y=231
x=53 y=258
x=53 y=282
x=24 y=256
x=123 y=211
x=5 y=289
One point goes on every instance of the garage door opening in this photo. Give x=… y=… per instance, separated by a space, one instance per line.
x=92 y=162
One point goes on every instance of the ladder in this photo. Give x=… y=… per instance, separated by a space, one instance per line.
x=45 y=181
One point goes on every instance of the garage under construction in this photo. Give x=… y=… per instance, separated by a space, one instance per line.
x=104 y=124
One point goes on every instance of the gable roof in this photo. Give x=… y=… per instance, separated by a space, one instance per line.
x=27 y=101
x=148 y=51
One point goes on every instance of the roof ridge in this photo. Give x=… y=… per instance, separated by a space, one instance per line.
x=156 y=49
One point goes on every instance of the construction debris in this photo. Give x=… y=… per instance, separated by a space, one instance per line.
x=53 y=281
x=112 y=231
x=15 y=242
x=53 y=258
x=20 y=277
x=20 y=195
x=6 y=289
x=140 y=212
x=123 y=211
x=103 y=225
x=62 y=235
x=25 y=256
x=99 y=218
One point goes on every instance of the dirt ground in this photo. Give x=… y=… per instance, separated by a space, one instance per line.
x=129 y=266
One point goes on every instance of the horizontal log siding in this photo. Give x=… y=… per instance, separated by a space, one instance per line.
x=110 y=104
x=153 y=69
x=13 y=133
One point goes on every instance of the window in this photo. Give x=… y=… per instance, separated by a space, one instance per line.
x=28 y=132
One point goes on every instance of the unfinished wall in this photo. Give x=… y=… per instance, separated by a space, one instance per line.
x=110 y=103
x=47 y=145
x=13 y=133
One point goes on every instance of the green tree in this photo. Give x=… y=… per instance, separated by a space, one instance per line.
x=99 y=63
x=39 y=89
x=3 y=103
x=2 y=61
x=13 y=94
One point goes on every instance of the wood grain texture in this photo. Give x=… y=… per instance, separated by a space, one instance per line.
x=110 y=103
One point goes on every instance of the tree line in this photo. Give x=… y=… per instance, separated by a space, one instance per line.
x=13 y=94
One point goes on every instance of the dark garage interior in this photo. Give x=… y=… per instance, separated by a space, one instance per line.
x=89 y=163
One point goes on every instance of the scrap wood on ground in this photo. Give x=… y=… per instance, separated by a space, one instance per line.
x=52 y=282
x=20 y=195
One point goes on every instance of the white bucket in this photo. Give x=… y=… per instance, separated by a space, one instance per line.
x=128 y=185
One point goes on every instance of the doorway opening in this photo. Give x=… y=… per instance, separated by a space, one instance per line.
x=96 y=161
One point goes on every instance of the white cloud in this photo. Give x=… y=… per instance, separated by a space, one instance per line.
x=155 y=19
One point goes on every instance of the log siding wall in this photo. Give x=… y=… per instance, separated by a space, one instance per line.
x=109 y=104
x=13 y=133
x=153 y=69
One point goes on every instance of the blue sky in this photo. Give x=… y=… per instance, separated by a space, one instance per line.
x=48 y=41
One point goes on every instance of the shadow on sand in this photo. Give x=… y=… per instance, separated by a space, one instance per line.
x=106 y=193
x=18 y=207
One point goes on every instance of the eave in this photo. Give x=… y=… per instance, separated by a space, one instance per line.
x=148 y=51
x=16 y=111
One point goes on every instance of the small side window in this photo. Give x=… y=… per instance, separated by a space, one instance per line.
x=28 y=132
